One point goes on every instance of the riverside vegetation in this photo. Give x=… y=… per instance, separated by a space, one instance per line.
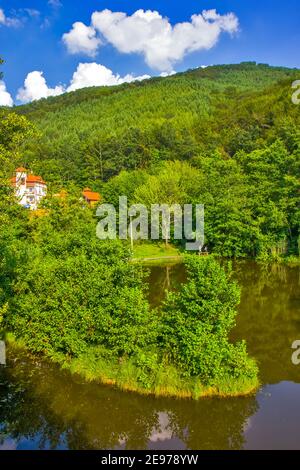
x=78 y=300
x=226 y=137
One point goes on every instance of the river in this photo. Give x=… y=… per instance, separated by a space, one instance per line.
x=42 y=407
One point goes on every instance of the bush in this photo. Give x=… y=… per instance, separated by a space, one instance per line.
x=197 y=320
x=70 y=290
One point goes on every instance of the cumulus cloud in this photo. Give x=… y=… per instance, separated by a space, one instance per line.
x=82 y=39
x=167 y=74
x=150 y=34
x=35 y=87
x=92 y=74
x=86 y=75
x=5 y=97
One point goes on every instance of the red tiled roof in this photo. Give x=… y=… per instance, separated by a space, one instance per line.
x=91 y=195
x=35 y=179
x=20 y=170
x=30 y=180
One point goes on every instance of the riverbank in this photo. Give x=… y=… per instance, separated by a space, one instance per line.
x=156 y=253
x=291 y=261
x=95 y=367
x=159 y=261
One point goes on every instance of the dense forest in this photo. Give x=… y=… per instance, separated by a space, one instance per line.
x=225 y=136
x=92 y=134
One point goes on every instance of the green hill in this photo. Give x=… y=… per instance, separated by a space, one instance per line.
x=91 y=134
x=225 y=136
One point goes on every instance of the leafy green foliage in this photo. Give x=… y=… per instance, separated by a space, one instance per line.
x=15 y=130
x=196 y=323
x=71 y=290
x=251 y=201
x=92 y=134
x=72 y=297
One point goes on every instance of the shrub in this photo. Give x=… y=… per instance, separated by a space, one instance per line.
x=197 y=320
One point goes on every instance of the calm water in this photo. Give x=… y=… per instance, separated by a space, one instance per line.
x=42 y=407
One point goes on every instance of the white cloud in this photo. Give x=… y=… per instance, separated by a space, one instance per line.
x=10 y=22
x=167 y=74
x=92 y=74
x=35 y=88
x=150 y=34
x=2 y=16
x=5 y=97
x=86 y=75
x=82 y=39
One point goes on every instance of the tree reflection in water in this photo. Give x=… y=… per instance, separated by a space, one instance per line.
x=43 y=407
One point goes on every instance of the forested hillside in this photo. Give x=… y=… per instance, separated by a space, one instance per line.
x=91 y=134
x=226 y=136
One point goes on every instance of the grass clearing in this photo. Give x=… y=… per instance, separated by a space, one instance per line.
x=153 y=252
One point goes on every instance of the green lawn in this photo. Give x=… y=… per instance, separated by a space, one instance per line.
x=154 y=250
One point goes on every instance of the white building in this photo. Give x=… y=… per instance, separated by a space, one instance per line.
x=29 y=189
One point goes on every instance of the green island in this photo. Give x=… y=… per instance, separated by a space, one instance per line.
x=79 y=301
x=225 y=136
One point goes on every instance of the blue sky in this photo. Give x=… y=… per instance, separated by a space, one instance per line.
x=31 y=40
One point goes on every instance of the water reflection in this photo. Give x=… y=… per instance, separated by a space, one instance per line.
x=270 y=318
x=43 y=407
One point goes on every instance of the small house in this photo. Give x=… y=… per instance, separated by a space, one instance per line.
x=91 y=197
x=29 y=189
